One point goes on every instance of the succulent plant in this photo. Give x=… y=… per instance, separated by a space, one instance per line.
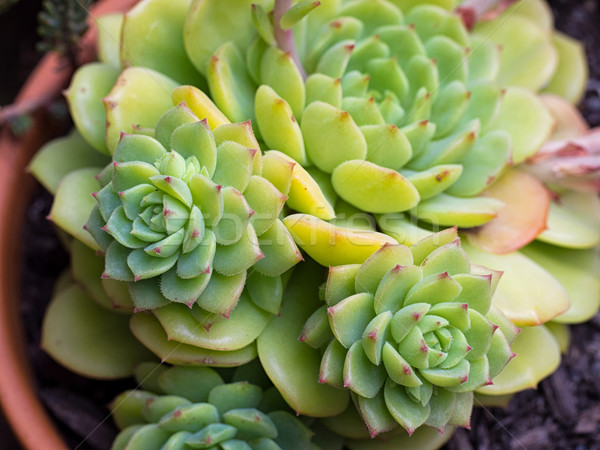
x=413 y=332
x=194 y=408
x=181 y=222
x=375 y=123
x=420 y=127
x=214 y=320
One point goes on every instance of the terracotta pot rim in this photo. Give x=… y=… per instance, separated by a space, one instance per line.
x=18 y=397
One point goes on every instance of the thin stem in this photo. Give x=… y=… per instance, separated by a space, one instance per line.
x=285 y=38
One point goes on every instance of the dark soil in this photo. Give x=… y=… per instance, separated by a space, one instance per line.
x=563 y=414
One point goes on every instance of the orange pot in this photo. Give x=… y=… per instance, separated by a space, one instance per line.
x=18 y=398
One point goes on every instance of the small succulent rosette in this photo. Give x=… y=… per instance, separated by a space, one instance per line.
x=412 y=333
x=185 y=225
x=194 y=408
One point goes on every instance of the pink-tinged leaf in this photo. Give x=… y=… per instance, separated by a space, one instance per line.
x=573 y=163
x=472 y=11
x=521 y=220
x=569 y=121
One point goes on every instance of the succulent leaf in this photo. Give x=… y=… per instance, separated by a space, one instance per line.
x=77 y=347
x=277 y=124
x=575 y=270
x=74 y=203
x=130 y=102
x=527 y=294
x=149 y=331
x=292 y=365
x=109 y=29
x=572 y=72
x=90 y=84
x=61 y=156
x=531 y=365
x=521 y=40
x=150 y=36
x=330 y=245
x=200 y=104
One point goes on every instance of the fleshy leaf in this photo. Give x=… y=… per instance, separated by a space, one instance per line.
x=200 y=104
x=235 y=258
x=279 y=250
x=350 y=317
x=577 y=271
x=530 y=365
x=407 y=412
x=89 y=85
x=467 y=212
x=195 y=139
x=527 y=120
x=292 y=365
x=245 y=323
x=360 y=375
x=331 y=136
x=265 y=200
x=524 y=43
x=76 y=346
x=527 y=294
x=139 y=97
x=373 y=188
x=340 y=283
x=305 y=194
x=330 y=245
x=234 y=165
x=377 y=265
x=570 y=78
x=230 y=84
x=375 y=336
x=278 y=126
x=63 y=155
x=279 y=71
x=151 y=37
x=394 y=286
x=182 y=290
x=222 y=293
x=235 y=219
x=149 y=331
x=73 y=204
x=569 y=228
x=527 y=202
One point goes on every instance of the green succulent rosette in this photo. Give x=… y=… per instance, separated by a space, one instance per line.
x=400 y=111
x=412 y=333
x=183 y=225
x=221 y=241
x=195 y=408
